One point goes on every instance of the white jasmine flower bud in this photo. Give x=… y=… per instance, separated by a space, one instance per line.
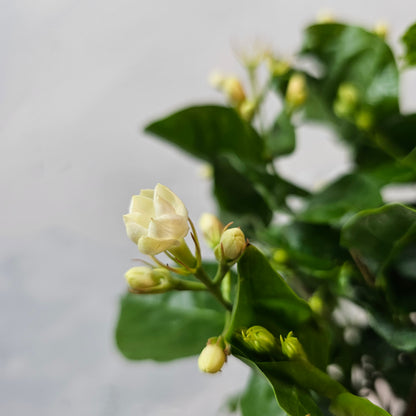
x=296 y=92
x=211 y=228
x=211 y=359
x=157 y=220
x=144 y=278
x=232 y=245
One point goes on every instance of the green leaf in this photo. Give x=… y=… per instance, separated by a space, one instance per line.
x=166 y=326
x=379 y=235
x=263 y=295
x=409 y=40
x=351 y=54
x=259 y=398
x=314 y=246
x=342 y=199
x=346 y=404
x=281 y=140
x=208 y=131
x=237 y=196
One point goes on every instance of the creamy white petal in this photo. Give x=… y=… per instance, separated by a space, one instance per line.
x=134 y=229
x=152 y=246
x=142 y=205
x=162 y=207
x=171 y=198
x=168 y=227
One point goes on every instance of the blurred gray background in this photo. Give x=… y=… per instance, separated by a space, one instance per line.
x=78 y=81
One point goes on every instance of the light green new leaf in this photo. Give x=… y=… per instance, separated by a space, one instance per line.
x=166 y=326
x=208 y=131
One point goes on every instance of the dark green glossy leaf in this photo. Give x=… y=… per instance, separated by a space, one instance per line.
x=259 y=399
x=166 y=326
x=342 y=199
x=379 y=235
x=209 y=131
x=281 y=140
x=409 y=40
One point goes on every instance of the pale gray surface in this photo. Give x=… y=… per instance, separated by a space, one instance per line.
x=78 y=81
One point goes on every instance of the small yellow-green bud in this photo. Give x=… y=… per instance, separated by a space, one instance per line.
x=211 y=228
x=316 y=303
x=231 y=246
x=216 y=79
x=259 y=339
x=347 y=100
x=278 y=67
x=247 y=109
x=233 y=90
x=212 y=358
x=144 y=278
x=381 y=29
x=280 y=256
x=292 y=348
x=325 y=16
x=364 y=120
x=296 y=92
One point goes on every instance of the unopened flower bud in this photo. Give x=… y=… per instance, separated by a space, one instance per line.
x=381 y=29
x=347 y=100
x=234 y=90
x=325 y=16
x=296 y=92
x=216 y=79
x=211 y=228
x=212 y=358
x=259 y=339
x=364 y=120
x=231 y=246
x=144 y=278
x=280 y=256
x=292 y=348
x=278 y=67
x=247 y=109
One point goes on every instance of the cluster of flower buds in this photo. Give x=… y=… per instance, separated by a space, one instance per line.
x=230 y=85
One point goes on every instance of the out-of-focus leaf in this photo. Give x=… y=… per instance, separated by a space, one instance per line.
x=342 y=199
x=166 y=326
x=346 y=404
x=409 y=40
x=208 y=131
x=351 y=54
x=310 y=245
x=259 y=399
x=281 y=140
x=378 y=235
x=238 y=197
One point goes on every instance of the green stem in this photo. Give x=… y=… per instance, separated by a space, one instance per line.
x=211 y=287
x=187 y=285
x=221 y=272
